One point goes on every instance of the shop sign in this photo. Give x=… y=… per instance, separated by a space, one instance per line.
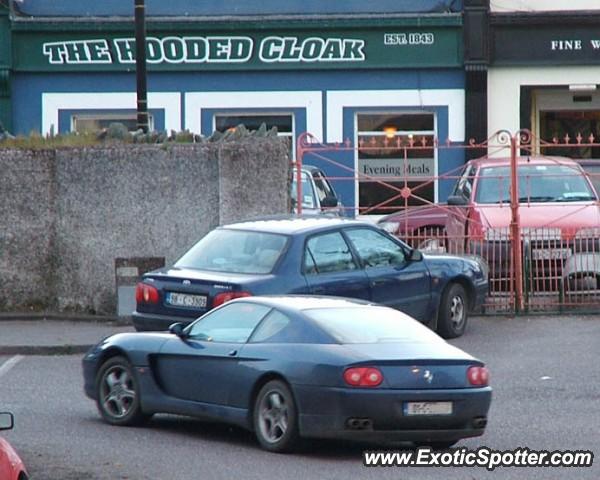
x=396 y=167
x=349 y=48
x=207 y=50
x=548 y=46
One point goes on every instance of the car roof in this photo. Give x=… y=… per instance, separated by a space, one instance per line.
x=290 y=225
x=310 y=168
x=532 y=160
x=305 y=302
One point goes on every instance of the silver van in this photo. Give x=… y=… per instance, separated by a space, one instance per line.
x=318 y=196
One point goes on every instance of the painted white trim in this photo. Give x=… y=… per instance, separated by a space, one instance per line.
x=454 y=99
x=9 y=364
x=504 y=89
x=312 y=101
x=52 y=103
x=529 y=6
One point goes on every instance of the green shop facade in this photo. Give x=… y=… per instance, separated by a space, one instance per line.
x=336 y=77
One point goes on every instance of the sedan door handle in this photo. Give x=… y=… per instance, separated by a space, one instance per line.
x=233 y=353
x=318 y=290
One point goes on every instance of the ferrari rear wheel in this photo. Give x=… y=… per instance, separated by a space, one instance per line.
x=118 y=393
x=276 y=418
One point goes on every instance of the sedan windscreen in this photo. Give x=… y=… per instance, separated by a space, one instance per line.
x=358 y=325
x=235 y=251
x=537 y=183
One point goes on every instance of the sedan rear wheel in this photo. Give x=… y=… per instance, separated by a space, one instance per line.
x=453 y=311
x=436 y=445
x=275 y=417
x=118 y=393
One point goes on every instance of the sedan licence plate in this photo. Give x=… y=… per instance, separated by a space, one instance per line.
x=428 y=408
x=186 y=300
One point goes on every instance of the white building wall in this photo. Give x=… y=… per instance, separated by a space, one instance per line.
x=504 y=89
x=505 y=6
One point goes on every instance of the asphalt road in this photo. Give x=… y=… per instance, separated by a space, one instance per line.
x=545 y=374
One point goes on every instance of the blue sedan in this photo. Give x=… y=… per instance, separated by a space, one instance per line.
x=317 y=256
x=296 y=366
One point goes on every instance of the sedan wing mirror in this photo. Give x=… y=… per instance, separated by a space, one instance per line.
x=415 y=255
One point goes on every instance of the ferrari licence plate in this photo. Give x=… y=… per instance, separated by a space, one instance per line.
x=186 y=300
x=428 y=408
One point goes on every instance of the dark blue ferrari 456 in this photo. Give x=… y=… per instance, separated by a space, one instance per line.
x=296 y=366
x=318 y=256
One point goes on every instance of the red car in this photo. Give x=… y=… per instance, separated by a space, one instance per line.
x=11 y=466
x=559 y=218
x=418 y=225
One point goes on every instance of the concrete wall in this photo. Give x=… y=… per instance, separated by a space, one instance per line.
x=65 y=215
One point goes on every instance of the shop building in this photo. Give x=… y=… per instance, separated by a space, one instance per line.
x=540 y=65
x=338 y=71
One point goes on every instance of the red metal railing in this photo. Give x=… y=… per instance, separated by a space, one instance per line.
x=530 y=269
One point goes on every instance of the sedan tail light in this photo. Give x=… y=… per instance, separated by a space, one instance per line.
x=478 y=376
x=224 y=297
x=145 y=293
x=363 y=376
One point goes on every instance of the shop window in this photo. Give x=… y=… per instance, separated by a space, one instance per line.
x=83 y=123
x=283 y=122
x=395 y=151
x=560 y=124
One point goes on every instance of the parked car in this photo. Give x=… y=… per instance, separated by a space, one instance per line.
x=295 y=366
x=318 y=195
x=559 y=218
x=311 y=255
x=11 y=465
x=418 y=225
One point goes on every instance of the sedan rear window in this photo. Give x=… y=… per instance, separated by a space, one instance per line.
x=235 y=251
x=371 y=324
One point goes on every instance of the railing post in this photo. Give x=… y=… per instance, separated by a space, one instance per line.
x=515 y=225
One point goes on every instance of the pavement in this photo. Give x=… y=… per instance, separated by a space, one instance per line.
x=33 y=334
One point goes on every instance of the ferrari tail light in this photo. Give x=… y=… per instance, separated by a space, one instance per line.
x=478 y=376
x=224 y=297
x=363 y=376
x=145 y=293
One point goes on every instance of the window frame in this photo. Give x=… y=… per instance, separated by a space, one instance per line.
x=266 y=113
x=398 y=133
x=305 y=250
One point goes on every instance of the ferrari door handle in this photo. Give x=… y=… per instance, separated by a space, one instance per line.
x=233 y=353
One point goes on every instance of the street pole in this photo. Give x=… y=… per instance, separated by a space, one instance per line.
x=140 y=65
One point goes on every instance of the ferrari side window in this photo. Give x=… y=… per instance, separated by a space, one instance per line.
x=232 y=323
x=271 y=329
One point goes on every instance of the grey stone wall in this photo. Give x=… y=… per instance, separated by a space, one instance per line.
x=66 y=214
